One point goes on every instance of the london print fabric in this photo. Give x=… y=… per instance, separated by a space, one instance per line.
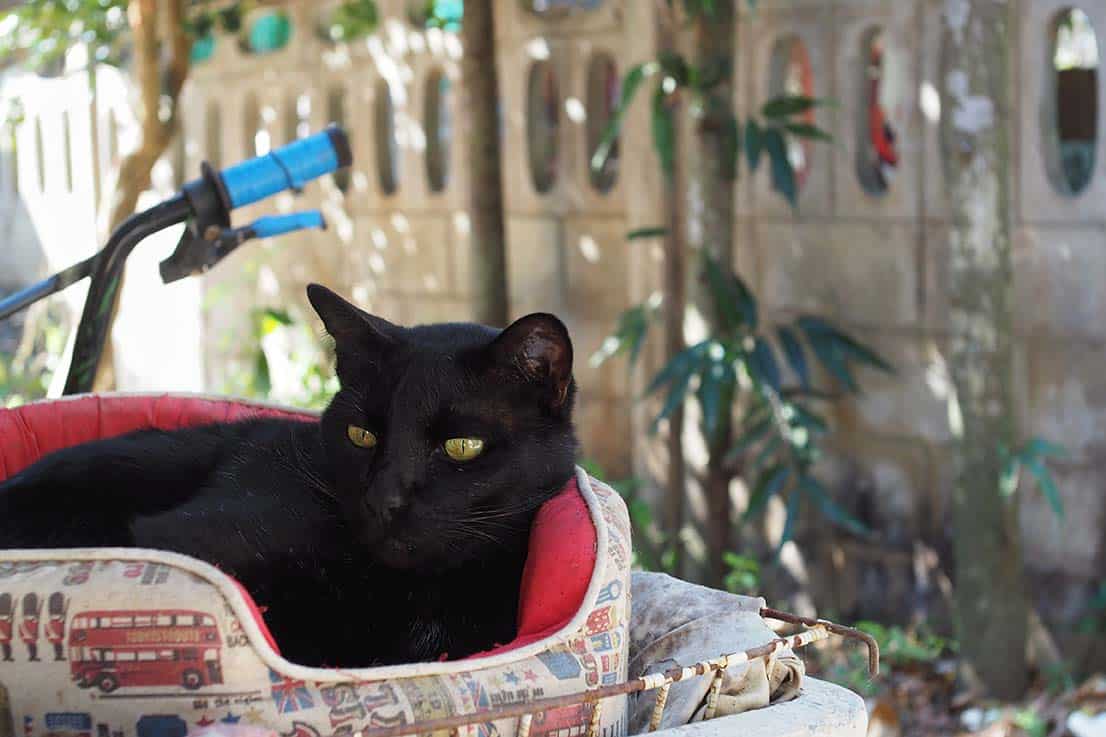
x=147 y=648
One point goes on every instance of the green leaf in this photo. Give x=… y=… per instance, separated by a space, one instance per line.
x=1041 y=448
x=674 y=65
x=629 y=335
x=793 y=350
x=703 y=78
x=806 y=130
x=733 y=302
x=830 y=508
x=657 y=231
x=630 y=85
x=756 y=413
x=1043 y=477
x=749 y=437
x=271 y=319
x=786 y=105
x=771 y=446
x=812 y=421
x=849 y=346
x=763 y=366
x=1098 y=601
x=753 y=144
x=783 y=176
x=711 y=382
x=859 y=352
x=682 y=363
x=677 y=375
x=664 y=130
x=768 y=485
x=677 y=393
x=827 y=350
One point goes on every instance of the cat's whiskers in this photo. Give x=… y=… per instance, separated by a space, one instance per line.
x=476 y=532
x=301 y=467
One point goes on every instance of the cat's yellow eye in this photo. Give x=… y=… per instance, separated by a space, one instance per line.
x=361 y=437
x=463 y=449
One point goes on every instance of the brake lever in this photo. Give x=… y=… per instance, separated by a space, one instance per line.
x=198 y=251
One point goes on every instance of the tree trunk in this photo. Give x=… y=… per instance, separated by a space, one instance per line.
x=674 y=305
x=990 y=601
x=134 y=171
x=710 y=212
x=479 y=105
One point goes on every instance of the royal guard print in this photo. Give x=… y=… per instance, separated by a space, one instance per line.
x=104 y=730
x=29 y=625
x=56 y=607
x=161 y=647
x=7 y=614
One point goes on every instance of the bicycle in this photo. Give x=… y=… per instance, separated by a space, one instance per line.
x=205 y=205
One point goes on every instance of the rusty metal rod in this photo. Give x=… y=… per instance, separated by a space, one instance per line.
x=645 y=683
x=850 y=633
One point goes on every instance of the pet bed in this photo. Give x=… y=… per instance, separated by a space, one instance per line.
x=118 y=642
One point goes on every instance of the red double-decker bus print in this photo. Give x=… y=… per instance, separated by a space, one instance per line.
x=150 y=647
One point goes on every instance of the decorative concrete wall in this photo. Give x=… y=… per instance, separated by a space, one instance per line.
x=877 y=264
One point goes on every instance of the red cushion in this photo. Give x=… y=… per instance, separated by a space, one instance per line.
x=562 y=541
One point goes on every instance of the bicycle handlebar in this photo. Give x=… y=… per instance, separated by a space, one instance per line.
x=205 y=205
x=288 y=167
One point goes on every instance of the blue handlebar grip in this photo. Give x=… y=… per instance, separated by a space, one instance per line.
x=273 y=225
x=288 y=167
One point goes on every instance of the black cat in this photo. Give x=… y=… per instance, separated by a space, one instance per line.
x=393 y=530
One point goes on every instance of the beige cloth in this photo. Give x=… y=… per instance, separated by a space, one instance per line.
x=674 y=622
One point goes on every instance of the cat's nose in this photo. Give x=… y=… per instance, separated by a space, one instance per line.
x=389 y=505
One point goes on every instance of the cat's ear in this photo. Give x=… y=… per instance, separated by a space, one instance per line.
x=358 y=336
x=539 y=348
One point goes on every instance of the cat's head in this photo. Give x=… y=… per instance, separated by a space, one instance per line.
x=444 y=439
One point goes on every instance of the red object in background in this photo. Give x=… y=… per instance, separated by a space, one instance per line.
x=883 y=138
x=559 y=564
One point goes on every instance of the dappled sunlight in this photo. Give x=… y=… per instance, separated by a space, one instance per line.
x=537 y=49
x=461 y=223
x=575 y=110
x=929 y=100
x=589 y=249
x=696 y=327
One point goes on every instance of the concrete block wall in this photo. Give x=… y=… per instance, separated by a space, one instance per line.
x=877 y=264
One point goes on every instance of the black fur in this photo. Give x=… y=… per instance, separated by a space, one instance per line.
x=362 y=557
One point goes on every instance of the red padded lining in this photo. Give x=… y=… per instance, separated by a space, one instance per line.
x=562 y=541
